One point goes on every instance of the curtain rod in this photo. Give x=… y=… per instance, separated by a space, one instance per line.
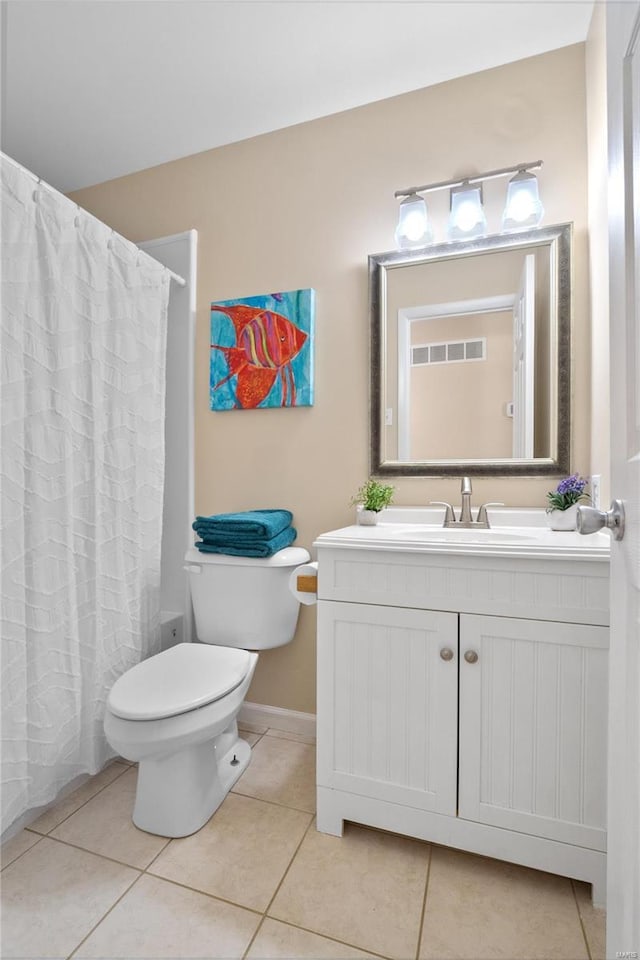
x=42 y=183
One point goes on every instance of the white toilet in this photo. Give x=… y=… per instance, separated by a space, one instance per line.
x=175 y=713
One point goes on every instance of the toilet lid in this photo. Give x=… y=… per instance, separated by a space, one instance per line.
x=179 y=679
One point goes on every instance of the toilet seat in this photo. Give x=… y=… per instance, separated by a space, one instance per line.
x=182 y=678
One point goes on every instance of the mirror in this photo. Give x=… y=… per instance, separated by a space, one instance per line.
x=470 y=357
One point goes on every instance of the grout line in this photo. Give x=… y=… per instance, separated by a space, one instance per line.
x=252 y=734
x=112 y=907
x=162 y=850
x=146 y=868
x=20 y=855
x=41 y=836
x=274 y=733
x=255 y=934
x=327 y=936
x=262 y=914
x=277 y=890
x=292 y=858
x=104 y=856
x=88 y=800
x=141 y=873
x=580 y=920
x=203 y=893
x=297 y=926
x=274 y=803
x=287 y=735
x=424 y=903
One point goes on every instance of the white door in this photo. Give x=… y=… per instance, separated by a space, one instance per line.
x=623 y=79
x=523 y=361
x=533 y=727
x=388 y=703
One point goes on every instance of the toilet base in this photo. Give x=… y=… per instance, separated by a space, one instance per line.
x=177 y=794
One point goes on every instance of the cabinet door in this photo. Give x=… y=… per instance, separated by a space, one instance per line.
x=533 y=722
x=387 y=703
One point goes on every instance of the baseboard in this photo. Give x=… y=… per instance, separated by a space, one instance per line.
x=292 y=721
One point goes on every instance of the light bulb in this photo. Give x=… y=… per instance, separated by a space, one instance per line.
x=467 y=215
x=523 y=207
x=414 y=225
x=413 y=228
x=467 y=219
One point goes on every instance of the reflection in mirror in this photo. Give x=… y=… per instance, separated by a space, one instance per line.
x=470 y=357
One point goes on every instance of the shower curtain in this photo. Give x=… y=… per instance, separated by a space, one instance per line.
x=83 y=341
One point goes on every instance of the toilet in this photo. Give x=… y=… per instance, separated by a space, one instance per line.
x=175 y=713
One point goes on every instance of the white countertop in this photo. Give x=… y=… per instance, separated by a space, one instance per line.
x=513 y=533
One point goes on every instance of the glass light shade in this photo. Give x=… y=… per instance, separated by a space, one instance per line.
x=467 y=219
x=523 y=208
x=414 y=229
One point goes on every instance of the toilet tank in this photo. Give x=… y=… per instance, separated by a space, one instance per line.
x=244 y=601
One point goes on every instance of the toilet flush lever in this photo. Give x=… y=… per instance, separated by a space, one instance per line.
x=192 y=568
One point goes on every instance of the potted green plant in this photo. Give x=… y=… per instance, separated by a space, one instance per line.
x=563 y=502
x=371 y=498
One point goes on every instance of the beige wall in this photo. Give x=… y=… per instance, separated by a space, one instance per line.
x=447 y=281
x=458 y=409
x=303 y=207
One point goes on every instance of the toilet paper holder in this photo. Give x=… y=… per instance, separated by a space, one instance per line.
x=307 y=583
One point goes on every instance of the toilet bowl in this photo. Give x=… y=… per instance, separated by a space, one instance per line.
x=175 y=713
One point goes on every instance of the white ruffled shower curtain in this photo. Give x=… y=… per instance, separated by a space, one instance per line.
x=83 y=342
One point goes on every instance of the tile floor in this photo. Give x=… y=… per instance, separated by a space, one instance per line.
x=259 y=882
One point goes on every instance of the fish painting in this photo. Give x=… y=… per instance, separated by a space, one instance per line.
x=261 y=351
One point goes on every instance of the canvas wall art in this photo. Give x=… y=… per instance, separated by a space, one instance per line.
x=262 y=351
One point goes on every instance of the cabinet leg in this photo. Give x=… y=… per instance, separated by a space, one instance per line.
x=328 y=820
x=599 y=890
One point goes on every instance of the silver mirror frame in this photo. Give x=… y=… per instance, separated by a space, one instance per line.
x=559 y=239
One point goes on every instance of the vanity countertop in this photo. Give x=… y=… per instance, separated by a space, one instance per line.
x=513 y=533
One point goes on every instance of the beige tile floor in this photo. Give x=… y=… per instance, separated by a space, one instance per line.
x=259 y=882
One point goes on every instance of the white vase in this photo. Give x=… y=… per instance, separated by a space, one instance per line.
x=367 y=518
x=563 y=519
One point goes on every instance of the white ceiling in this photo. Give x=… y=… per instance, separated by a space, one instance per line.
x=94 y=89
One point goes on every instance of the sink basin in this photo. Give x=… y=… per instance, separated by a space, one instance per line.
x=428 y=533
x=462 y=535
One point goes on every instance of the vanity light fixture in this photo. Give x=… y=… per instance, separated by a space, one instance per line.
x=414 y=229
x=467 y=219
x=523 y=208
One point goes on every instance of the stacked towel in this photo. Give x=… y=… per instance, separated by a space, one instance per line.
x=252 y=533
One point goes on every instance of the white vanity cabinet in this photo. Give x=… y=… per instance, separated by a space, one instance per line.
x=533 y=727
x=441 y=720
x=389 y=709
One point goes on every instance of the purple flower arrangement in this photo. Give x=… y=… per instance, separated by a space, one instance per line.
x=569 y=491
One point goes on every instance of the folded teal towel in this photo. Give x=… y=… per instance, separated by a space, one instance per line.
x=230 y=539
x=258 y=547
x=254 y=523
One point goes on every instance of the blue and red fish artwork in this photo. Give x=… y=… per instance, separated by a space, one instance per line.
x=262 y=351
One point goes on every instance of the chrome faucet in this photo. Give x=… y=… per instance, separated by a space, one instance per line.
x=466 y=521
x=465 y=510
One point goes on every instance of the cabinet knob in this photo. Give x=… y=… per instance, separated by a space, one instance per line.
x=446 y=653
x=471 y=656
